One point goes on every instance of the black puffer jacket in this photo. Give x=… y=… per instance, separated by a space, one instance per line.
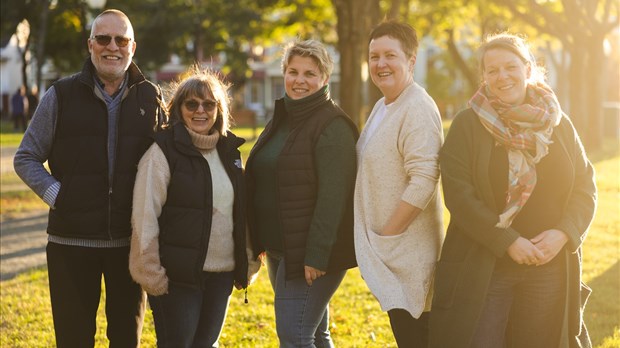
x=185 y=220
x=89 y=205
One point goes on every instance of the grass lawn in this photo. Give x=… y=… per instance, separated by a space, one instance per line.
x=356 y=320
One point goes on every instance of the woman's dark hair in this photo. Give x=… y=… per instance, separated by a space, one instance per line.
x=403 y=32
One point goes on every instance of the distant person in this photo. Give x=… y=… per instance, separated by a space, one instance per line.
x=521 y=195
x=33 y=101
x=188 y=245
x=19 y=107
x=93 y=128
x=398 y=211
x=300 y=175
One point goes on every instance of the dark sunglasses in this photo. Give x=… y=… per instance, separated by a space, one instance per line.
x=105 y=40
x=207 y=105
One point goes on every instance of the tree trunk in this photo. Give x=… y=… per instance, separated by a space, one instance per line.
x=462 y=65
x=40 y=42
x=374 y=93
x=354 y=22
x=586 y=88
x=594 y=87
x=576 y=93
x=25 y=63
x=198 y=44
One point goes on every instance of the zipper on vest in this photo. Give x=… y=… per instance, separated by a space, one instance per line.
x=110 y=212
x=205 y=243
x=111 y=171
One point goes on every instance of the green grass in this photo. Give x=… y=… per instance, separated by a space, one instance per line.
x=8 y=137
x=16 y=198
x=356 y=319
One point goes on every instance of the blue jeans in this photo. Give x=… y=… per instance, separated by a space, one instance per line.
x=190 y=317
x=524 y=307
x=302 y=311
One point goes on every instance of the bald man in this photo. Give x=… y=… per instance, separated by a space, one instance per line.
x=92 y=128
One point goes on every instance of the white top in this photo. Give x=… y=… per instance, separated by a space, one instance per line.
x=399 y=161
x=373 y=123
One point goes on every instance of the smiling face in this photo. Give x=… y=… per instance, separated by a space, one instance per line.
x=390 y=68
x=204 y=114
x=302 y=77
x=506 y=75
x=111 y=61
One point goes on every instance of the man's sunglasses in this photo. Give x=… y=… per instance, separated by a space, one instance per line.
x=207 y=105
x=105 y=40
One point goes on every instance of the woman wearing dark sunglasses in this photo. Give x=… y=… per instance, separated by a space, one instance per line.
x=188 y=247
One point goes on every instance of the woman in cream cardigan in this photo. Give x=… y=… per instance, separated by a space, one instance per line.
x=398 y=211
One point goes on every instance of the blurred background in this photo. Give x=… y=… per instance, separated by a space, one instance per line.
x=576 y=40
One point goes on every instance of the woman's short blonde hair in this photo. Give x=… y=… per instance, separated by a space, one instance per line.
x=309 y=48
x=201 y=83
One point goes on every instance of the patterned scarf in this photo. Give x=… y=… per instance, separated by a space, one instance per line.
x=524 y=130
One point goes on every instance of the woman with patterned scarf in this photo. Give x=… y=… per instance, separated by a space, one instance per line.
x=521 y=195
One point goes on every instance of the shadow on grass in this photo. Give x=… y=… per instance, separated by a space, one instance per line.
x=22 y=244
x=602 y=313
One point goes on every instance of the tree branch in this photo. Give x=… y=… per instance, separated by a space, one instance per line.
x=470 y=76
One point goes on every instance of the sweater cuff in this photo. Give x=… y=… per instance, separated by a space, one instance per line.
x=418 y=197
x=49 y=197
x=574 y=239
x=315 y=258
x=158 y=288
x=505 y=238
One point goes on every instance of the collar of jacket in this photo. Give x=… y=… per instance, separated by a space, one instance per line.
x=299 y=110
x=184 y=142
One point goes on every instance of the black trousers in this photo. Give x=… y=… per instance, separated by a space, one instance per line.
x=75 y=289
x=408 y=331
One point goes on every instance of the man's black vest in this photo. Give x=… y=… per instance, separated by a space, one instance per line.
x=298 y=189
x=88 y=205
x=186 y=217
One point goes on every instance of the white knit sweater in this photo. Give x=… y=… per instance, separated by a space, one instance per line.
x=150 y=192
x=399 y=161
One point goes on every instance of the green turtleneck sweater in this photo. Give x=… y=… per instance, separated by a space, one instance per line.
x=336 y=165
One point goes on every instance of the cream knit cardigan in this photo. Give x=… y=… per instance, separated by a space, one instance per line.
x=400 y=162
